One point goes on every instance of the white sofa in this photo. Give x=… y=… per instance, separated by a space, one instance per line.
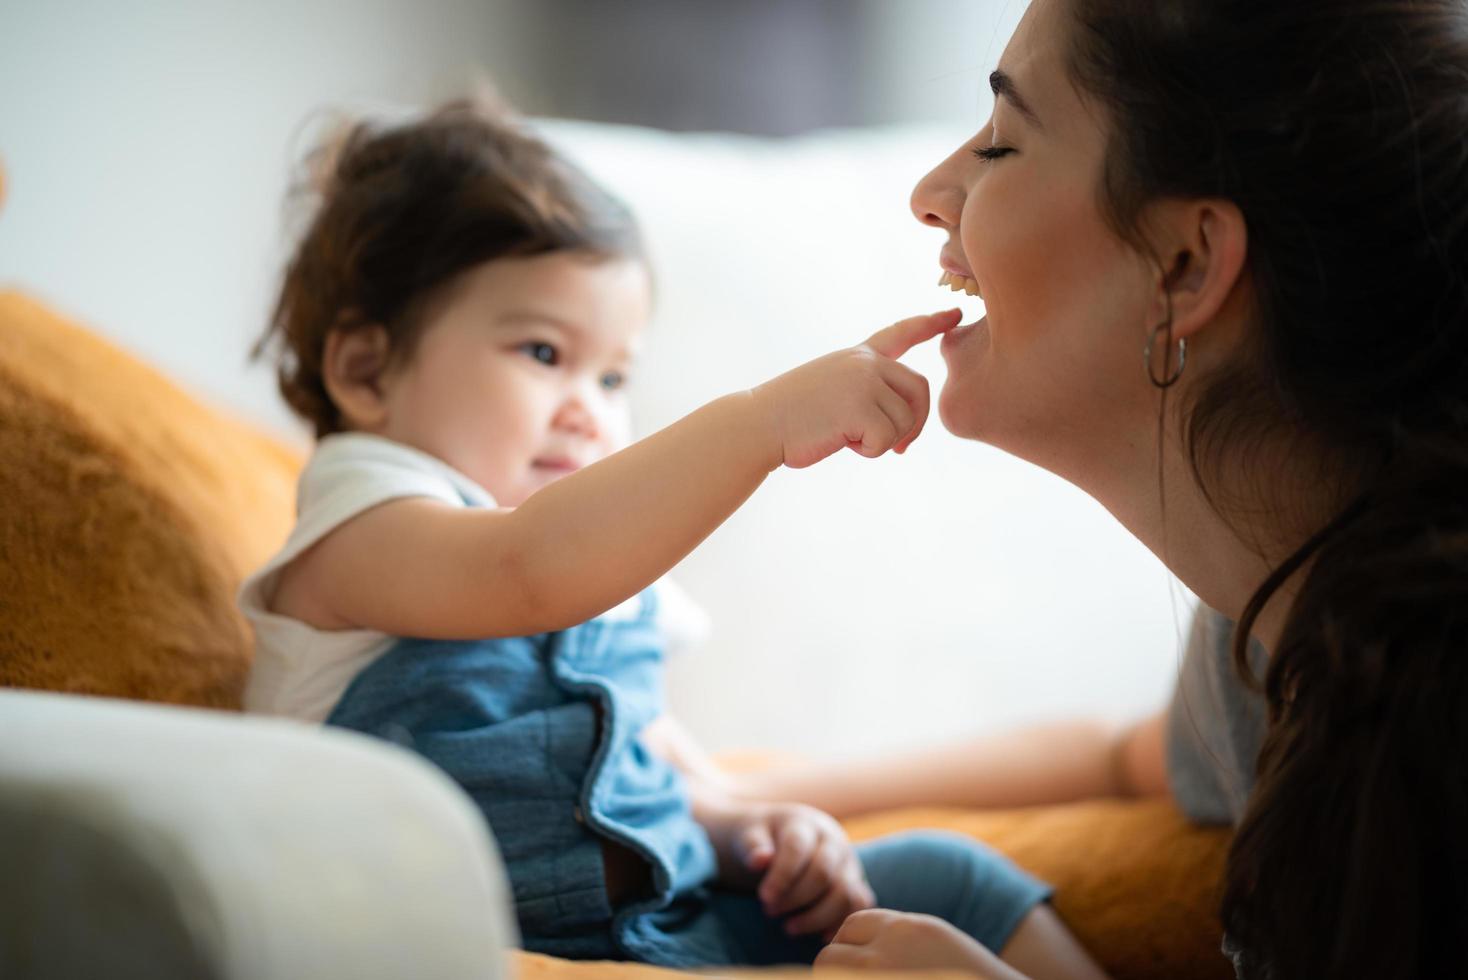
x=161 y=843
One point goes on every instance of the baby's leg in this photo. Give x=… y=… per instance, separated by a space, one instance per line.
x=981 y=892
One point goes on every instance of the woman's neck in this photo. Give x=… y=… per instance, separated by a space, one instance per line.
x=1222 y=559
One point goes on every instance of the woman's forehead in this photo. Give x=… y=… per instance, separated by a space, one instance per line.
x=1034 y=67
x=1032 y=56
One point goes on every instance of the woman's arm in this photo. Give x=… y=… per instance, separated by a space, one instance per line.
x=666 y=737
x=587 y=542
x=1056 y=763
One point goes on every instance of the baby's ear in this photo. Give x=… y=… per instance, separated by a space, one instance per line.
x=352 y=368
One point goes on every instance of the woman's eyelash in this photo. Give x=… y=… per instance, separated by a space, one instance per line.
x=992 y=152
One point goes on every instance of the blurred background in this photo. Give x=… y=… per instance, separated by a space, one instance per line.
x=149 y=143
x=769 y=147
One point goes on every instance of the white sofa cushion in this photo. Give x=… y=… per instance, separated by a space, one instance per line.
x=151 y=841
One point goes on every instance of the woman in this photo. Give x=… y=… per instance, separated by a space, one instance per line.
x=1223 y=245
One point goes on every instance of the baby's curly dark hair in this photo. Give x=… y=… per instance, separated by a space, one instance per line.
x=402 y=212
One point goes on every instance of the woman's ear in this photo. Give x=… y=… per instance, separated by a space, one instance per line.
x=352 y=368
x=1204 y=243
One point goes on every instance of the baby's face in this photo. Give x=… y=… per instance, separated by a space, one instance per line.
x=519 y=376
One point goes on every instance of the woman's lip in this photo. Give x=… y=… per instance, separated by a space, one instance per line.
x=960 y=333
x=948 y=265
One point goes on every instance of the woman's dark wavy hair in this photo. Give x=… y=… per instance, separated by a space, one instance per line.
x=402 y=211
x=1340 y=129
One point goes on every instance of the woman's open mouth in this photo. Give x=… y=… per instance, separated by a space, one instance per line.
x=961 y=334
x=959 y=284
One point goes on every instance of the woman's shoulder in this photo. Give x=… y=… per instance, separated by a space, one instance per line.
x=1215 y=723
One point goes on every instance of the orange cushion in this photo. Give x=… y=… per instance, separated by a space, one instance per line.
x=1135 y=881
x=131 y=513
x=533 y=966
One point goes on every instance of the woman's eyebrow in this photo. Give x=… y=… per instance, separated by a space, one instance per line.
x=1003 y=86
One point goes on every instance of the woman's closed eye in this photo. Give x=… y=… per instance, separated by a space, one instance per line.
x=992 y=152
x=538 y=350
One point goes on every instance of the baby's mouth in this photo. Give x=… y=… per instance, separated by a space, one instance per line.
x=557 y=465
x=960 y=284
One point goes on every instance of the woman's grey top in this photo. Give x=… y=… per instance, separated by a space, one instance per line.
x=1215 y=724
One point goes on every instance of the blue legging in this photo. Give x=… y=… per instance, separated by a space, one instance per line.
x=943 y=874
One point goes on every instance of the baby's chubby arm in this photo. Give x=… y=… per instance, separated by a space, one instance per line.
x=415 y=567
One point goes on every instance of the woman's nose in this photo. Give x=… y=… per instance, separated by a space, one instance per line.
x=937 y=200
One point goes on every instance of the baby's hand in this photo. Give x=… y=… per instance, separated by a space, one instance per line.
x=859 y=397
x=884 y=940
x=807 y=867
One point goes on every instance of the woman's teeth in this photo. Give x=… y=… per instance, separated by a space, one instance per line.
x=959 y=283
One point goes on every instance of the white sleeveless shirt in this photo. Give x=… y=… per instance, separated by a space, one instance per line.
x=300 y=671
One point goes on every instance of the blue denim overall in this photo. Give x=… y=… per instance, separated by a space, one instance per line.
x=542 y=732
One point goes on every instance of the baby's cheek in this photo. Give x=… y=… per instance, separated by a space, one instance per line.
x=619 y=432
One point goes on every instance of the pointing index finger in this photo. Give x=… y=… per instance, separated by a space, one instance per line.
x=904 y=335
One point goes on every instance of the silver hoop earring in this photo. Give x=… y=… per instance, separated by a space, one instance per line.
x=1182 y=357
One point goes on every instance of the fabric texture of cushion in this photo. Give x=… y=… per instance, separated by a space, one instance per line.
x=131 y=514
x=1135 y=881
x=149 y=841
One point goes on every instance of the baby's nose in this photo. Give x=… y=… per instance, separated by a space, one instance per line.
x=576 y=416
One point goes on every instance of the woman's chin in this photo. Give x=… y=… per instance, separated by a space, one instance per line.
x=964 y=352
x=957 y=413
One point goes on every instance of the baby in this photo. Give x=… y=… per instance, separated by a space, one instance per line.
x=476 y=569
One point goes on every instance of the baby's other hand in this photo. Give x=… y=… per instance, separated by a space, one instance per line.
x=881 y=939
x=860 y=398
x=809 y=870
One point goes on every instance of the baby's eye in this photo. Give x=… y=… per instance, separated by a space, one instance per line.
x=613 y=380
x=544 y=353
